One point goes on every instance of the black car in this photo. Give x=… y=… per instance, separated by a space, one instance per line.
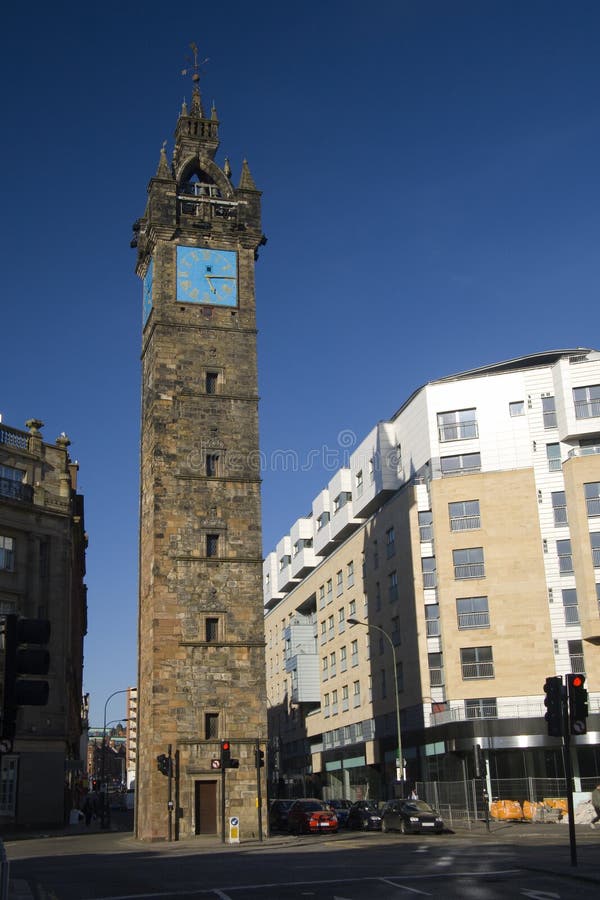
x=341 y=809
x=410 y=817
x=278 y=814
x=365 y=814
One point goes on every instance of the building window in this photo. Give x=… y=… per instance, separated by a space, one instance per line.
x=12 y=484
x=342 y=498
x=476 y=662
x=329 y=590
x=330 y=627
x=464 y=515
x=350 y=574
x=595 y=542
x=325 y=668
x=457 y=465
x=553 y=454
x=375 y=555
x=436 y=669
x=211 y=726
x=211 y=630
x=284 y=562
x=343 y=659
x=7 y=553
x=576 y=656
x=323 y=631
x=345 y=698
x=382 y=679
x=377 y=596
x=569 y=598
x=321 y=596
x=332 y=664
x=395 y=633
x=334 y=703
x=565 y=558
x=359 y=483
x=212 y=382
x=425 y=526
x=428 y=571
x=393 y=586
x=352 y=608
x=592 y=498
x=339 y=587
x=326 y=710
x=468 y=563
x=354 y=653
x=485 y=708
x=212 y=464
x=587 y=401
x=549 y=412
x=559 y=507
x=432 y=619
x=356 y=694
x=473 y=612
x=459 y=425
x=390 y=542
x=399 y=676
x=341 y=620
x=212 y=544
x=516 y=408
x=322 y=520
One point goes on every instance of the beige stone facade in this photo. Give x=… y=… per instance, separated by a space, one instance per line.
x=201 y=647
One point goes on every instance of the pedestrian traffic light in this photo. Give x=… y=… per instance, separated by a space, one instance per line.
x=554 y=705
x=23 y=655
x=578 y=707
x=260 y=758
x=225 y=754
x=164 y=764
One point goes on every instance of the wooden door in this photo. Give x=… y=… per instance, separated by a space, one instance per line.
x=206 y=807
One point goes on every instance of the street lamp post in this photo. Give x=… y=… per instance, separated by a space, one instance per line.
x=103 y=818
x=399 y=759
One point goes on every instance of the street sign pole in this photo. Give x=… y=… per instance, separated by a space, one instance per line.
x=568 y=774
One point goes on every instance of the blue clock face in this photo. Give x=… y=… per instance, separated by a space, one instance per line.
x=147 y=301
x=207 y=276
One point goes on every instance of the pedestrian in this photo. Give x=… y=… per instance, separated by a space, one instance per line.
x=596 y=805
x=90 y=806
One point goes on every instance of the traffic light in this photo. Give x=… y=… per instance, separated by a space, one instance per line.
x=554 y=705
x=225 y=754
x=23 y=655
x=578 y=707
x=260 y=758
x=164 y=764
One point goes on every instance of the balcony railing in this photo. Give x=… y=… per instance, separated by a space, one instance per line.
x=459 y=431
x=13 y=438
x=587 y=409
x=469 y=570
x=465 y=523
x=478 y=670
x=474 y=620
x=16 y=490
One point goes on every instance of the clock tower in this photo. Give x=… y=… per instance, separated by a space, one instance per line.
x=201 y=668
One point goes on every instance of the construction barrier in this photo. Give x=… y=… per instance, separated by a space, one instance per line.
x=506 y=810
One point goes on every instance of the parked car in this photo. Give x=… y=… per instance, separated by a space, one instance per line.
x=311 y=815
x=278 y=814
x=410 y=817
x=365 y=814
x=341 y=808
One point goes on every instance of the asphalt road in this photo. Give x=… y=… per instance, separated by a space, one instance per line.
x=517 y=861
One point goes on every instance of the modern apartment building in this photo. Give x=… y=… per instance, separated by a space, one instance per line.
x=42 y=570
x=465 y=533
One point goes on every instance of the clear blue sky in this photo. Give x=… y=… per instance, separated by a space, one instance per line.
x=431 y=200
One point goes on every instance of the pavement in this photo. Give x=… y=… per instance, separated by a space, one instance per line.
x=118 y=837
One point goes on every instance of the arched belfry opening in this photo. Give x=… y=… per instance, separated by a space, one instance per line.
x=200 y=184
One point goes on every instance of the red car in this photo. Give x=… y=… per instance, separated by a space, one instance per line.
x=311 y=815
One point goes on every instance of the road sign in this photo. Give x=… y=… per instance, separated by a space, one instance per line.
x=234 y=830
x=215 y=763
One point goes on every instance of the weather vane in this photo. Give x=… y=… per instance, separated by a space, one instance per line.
x=195 y=68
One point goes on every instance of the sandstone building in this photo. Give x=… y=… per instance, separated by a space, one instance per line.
x=42 y=570
x=465 y=532
x=201 y=673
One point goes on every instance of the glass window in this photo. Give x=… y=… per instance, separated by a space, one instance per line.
x=553 y=454
x=212 y=629
x=517 y=408
x=393 y=586
x=330 y=590
x=595 y=542
x=473 y=612
x=432 y=619
x=464 y=462
x=565 y=558
x=7 y=553
x=587 y=401
x=559 y=507
x=339 y=588
x=212 y=380
x=426 y=526
x=211 y=726
x=359 y=483
x=428 y=570
x=592 y=498
x=468 y=563
x=464 y=515
x=485 y=708
x=350 y=574
x=549 y=412
x=458 y=425
x=212 y=544
x=390 y=542
x=569 y=599
x=576 y=656
x=436 y=669
x=477 y=662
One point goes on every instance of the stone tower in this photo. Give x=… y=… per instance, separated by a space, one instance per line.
x=201 y=669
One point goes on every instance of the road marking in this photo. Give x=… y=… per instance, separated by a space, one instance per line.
x=540 y=895
x=403 y=887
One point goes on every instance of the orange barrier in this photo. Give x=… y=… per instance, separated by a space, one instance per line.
x=506 y=810
x=532 y=811
x=556 y=803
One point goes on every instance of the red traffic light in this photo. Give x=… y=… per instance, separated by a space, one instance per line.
x=577 y=681
x=225 y=745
